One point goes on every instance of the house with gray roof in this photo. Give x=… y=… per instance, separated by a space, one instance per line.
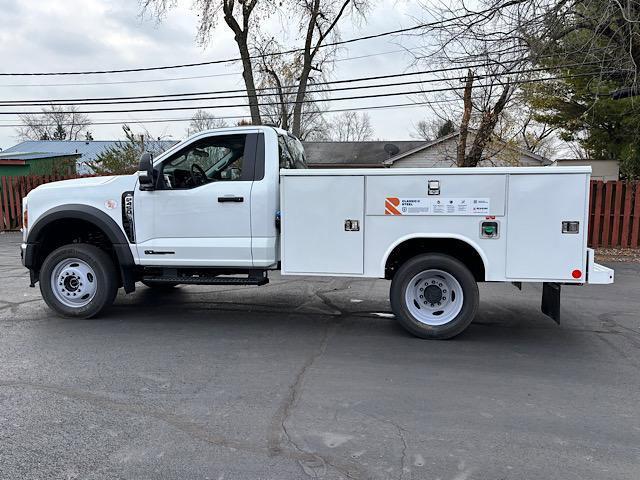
x=442 y=152
x=414 y=153
x=369 y=154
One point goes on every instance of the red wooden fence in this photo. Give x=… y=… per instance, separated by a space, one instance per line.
x=13 y=189
x=614 y=214
x=614 y=208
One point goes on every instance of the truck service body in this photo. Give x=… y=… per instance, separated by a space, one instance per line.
x=228 y=205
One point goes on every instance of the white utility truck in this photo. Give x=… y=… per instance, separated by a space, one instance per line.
x=226 y=206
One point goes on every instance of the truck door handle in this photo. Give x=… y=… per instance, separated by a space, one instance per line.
x=230 y=199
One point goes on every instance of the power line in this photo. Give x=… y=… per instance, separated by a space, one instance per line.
x=142 y=98
x=353 y=97
x=195 y=77
x=250 y=57
x=237 y=117
x=120 y=82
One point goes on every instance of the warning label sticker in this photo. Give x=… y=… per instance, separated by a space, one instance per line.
x=436 y=206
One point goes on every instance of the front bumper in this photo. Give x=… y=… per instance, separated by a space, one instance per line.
x=27 y=254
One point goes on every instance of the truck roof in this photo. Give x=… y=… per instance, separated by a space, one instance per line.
x=245 y=127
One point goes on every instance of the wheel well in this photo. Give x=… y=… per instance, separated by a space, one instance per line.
x=449 y=246
x=64 y=231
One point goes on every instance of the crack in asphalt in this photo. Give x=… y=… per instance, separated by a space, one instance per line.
x=279 y=430
x=188 y=427
x=13 y=306
x=401 y=431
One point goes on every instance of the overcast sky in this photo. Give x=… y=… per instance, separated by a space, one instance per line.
x=71 y=35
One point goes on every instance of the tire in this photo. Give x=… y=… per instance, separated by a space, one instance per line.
x=78 y=280
x=434 y=296
x=160 y=286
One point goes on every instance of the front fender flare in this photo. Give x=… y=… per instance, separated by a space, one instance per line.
x=91 y=215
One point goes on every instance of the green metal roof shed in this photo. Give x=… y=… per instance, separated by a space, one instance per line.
x=13 y=164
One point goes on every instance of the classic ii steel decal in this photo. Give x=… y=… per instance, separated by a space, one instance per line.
x=436 y=206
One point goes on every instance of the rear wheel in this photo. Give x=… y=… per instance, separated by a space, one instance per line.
x=434 y=296
x=78 y=280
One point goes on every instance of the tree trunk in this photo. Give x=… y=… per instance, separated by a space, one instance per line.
x=241 y=34
x=489 y=121
x=247 y=75
x=297 y=108
x=306 y=68
x=284 y=115
x=464 y=125
x=310 y=51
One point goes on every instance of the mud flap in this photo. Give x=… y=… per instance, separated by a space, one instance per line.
x=551 y=301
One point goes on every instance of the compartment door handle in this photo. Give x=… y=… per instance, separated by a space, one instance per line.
x=231 y=199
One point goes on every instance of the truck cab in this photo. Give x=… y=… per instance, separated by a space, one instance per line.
x=213 y=200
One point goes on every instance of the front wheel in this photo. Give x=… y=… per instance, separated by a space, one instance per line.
x=78 y=280
x=434 y=296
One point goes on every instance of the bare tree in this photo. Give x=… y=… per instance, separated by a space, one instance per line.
x=278 y=77
x=485 y=41
x=596 y=40
x=351 y=127
x=430 y=130
x=241 y=16
x=423 y=130
x=319 y=22
x=202 y=120
x=54 y=123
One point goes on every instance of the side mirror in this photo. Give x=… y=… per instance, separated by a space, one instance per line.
x=145 y=172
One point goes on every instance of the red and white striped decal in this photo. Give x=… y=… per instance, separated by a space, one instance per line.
x=391 y=205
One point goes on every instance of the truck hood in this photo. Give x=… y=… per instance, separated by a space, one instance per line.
x=76 y=185
x=77 y=182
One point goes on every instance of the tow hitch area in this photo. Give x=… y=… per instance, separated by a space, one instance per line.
x=551 y=301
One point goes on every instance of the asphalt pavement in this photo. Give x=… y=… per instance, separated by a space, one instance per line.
x=312 y=378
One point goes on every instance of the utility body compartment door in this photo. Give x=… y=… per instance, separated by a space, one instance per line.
x=323 y=225
x=537 y=248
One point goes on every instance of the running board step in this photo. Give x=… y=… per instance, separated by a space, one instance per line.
x=209 y=280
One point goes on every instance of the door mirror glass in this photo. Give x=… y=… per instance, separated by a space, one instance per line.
x=145 y=171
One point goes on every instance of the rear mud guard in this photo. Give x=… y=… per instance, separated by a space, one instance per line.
x=551 y=301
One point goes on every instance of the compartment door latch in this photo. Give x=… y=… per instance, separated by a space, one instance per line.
x=351 y=225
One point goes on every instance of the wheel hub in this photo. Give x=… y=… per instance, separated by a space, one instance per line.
x=433 y=294
x=434 y=297
x=73 y=282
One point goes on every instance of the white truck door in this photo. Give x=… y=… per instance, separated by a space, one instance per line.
x=199 y=214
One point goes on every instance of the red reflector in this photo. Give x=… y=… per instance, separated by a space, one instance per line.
x=576 y=274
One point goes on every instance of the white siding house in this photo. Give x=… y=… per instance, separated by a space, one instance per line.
x=442 y=153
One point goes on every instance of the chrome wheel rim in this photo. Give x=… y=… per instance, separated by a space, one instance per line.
x=73 y=282
x=434 y=297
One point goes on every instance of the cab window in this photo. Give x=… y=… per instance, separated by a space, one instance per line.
x=212 y=159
